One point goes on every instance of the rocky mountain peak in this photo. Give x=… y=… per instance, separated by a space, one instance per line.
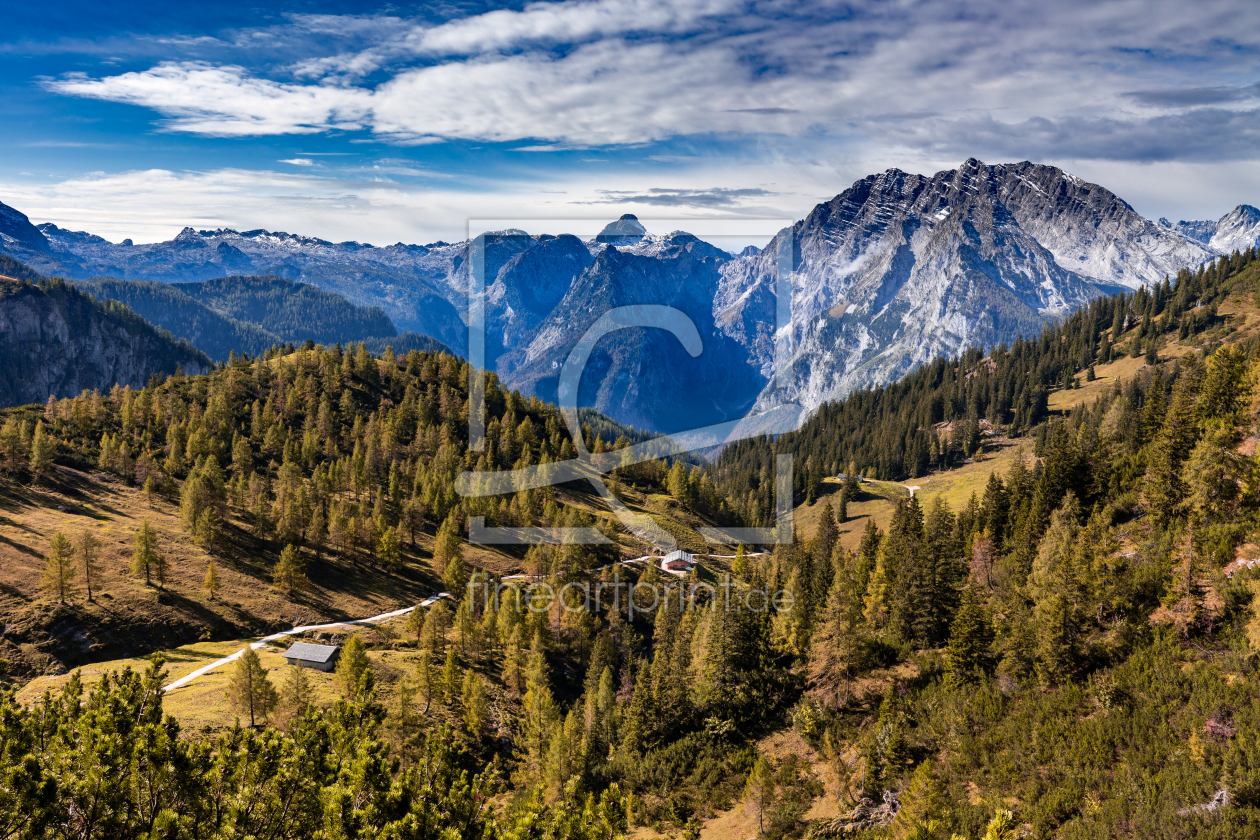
x=625 y=231
x=1237 y=230
x=16 y=226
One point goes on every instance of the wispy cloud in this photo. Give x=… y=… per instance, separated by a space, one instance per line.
x=226 y=101
x=1068 y=78
x=663 y=197
x=298 y=162
x=1189 y=97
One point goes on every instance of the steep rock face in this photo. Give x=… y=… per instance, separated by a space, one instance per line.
x=16 y=229
x=1237 y=230
x=1089 y=229
x=642 y=375
x=902 y=268
x=56 y=340
x=528 y=287
x=1199 y=231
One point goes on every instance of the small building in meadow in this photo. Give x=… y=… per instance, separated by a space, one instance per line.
x=677 y=562
x=319 y=657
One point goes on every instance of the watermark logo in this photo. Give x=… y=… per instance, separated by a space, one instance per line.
x=593 y=467
x=617 y=596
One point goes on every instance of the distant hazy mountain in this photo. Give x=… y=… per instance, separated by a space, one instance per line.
x=56 y=340
x=896 y=270
x=1237 y=230
x=245 y=314
x=17 y=231
x=625 y=231
x=295 y=312
x=396 y=278
x=168 y=307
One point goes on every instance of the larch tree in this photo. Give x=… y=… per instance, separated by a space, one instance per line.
x=354 y=670
x=290 y=573
x=41 y=452
x=425 y=678
x=89 y=557
x=835 y=655
x=296 y=693
x=59 y=571
x=144 y=558
x=211 y=583
x=476 y=707
x=450 y=677
x=249 y=690
x=447 y=546
x=415 y=623
x=387 y=550
x=760 y=792
x=455 y=575
x=513 y=663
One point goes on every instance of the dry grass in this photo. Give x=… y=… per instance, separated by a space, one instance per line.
x=873 y=502
x=129 y=616
x=956 y=486
x=201 y=706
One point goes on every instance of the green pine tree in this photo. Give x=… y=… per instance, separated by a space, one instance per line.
x=970 y=636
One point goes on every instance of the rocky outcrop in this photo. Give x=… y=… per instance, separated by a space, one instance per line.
x=58 y=341
x=17 y=230
x=1237 y=230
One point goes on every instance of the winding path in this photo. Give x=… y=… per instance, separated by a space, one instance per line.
x=201 y=672
x=219 y=663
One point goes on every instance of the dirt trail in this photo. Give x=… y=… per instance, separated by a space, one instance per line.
x=200 y=672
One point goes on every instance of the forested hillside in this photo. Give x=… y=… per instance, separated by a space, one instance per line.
x=219 y=335
x=295 y=312
x=168 y=307
x=315 y=478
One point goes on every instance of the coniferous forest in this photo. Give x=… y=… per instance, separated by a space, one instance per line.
x=1067 y=650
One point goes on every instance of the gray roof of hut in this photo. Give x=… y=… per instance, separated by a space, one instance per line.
x=311 y=653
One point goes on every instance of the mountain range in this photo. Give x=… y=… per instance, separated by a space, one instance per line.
x=896 y=270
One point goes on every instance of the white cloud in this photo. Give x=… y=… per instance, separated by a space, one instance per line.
x=225 y=101
x=298 y=162
x=917 y=75
x=1153 y=99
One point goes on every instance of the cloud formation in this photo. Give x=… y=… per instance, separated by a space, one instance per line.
x=718 y=197
x=1123 y=80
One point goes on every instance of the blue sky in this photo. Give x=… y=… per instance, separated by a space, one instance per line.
x=386 y=123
